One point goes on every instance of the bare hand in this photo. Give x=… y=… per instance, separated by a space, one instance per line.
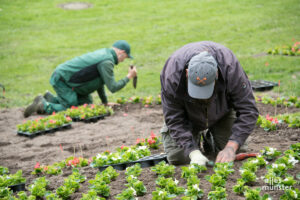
x=226 y=155
x=132 y=72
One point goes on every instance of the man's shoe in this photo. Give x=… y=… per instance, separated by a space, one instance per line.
x=36 y=106
x=49 y=97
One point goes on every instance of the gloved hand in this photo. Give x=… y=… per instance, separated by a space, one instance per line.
x=197 y=157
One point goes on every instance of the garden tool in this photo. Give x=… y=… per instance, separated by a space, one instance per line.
x=242 y=156
x=2 y=86
x=134 y=78
x=238 y=157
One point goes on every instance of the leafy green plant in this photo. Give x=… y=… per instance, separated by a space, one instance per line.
x=128 y=193
x=218 y=194
x=223 y=169
x=38 y=188
x=12 y=179
x=163 y=169
x=192 y=169
x=64 y=192
x=23 y=196
x=3 y=170
x=253 y=194
x=216 y=181
x=134 y=170
x=290 y=194
x=248 y=176
x=52 y=196
x=138 y=186
x=193 y=192
x=240 y=187
x=270 y=153
x=169 y=185
x=162 y=194
x=91 y=195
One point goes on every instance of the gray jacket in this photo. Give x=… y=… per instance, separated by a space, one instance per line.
x=232 y=91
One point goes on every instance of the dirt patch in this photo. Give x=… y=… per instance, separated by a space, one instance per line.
x=128 y=123
x=260 y=55
x=75 y=6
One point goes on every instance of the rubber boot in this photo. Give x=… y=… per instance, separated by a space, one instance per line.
x=36 y=106
x=48 y=96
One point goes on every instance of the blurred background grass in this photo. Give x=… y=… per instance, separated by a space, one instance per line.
x=36 y=36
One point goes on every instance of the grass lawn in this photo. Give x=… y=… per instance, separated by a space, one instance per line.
x=36 y=36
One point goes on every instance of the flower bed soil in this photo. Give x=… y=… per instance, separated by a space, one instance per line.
x=127 y=124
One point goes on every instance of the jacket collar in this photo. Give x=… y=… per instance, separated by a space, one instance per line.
x=114 y=55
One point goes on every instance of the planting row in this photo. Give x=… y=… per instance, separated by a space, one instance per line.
x=168 y=188
x=120 y=159
x=146 y=101
x=279 y=101
x=288 y=50
x=271 y=123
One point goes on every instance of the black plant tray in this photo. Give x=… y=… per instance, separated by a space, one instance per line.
x=147 y=161
x=91 y=119
x=261 y=85
x=31 y=135
x=17 y=187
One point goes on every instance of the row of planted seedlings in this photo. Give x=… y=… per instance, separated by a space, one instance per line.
x=269 y=123
x=146 y=101
x=62 y=120
x=288 y=50
x=291 y=101
x=276 y=177
x=123 y=154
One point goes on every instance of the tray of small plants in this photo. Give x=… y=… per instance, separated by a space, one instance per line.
x=261 y=85
x=88 y=112
x=15 y=182
x=40 y=126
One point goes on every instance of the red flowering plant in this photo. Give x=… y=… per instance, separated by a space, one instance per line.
x=50 y=169
x=153 y=141
x=288 y=50
x=134 y=99
x=147 y=101
x=268 y=123
x=76 y=162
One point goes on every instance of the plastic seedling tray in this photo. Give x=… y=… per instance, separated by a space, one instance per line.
x=147 y=161
x=261 y=85
x=17 y=187
x=34 y=134
x=89 y=120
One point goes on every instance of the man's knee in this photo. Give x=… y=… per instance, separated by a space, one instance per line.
x=177 y=157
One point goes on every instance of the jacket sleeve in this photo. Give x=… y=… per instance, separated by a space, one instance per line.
x=177 y=124
x=243 y=101
x=102 y=95
x=106 y=71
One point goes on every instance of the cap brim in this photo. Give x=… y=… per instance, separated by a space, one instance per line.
x=200 y=92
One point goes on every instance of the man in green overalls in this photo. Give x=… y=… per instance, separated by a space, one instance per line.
x=75 y=80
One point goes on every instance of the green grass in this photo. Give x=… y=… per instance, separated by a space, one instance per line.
x=36 y=36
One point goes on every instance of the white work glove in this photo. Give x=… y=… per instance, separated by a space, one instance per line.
x=197 y=157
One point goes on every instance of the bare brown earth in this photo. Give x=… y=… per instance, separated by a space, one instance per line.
x=128 y=123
